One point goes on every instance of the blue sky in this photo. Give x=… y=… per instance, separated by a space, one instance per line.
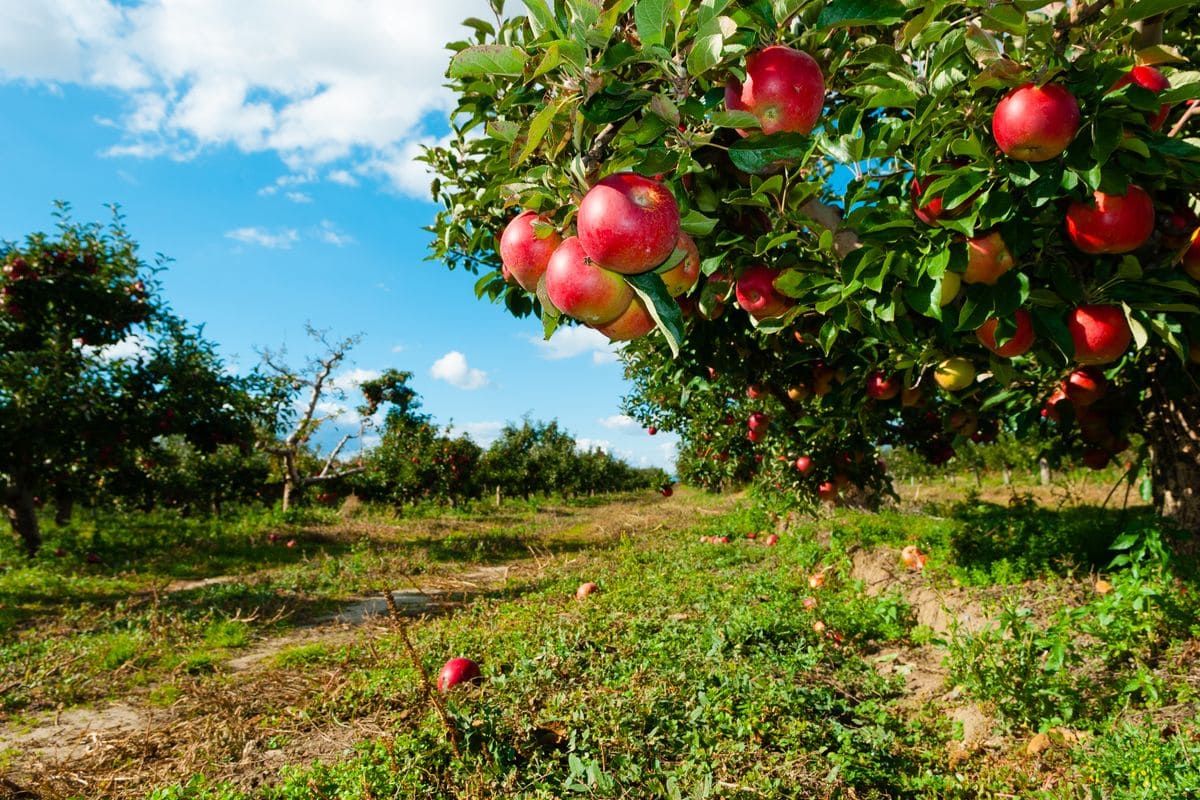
x=279 y=178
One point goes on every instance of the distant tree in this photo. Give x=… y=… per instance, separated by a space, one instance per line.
x=73 y=407
x=313 y=386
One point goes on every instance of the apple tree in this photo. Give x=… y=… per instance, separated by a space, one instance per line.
x=94 y=369
x=904 y=223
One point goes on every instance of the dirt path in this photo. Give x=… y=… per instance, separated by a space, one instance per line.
x=124 y=747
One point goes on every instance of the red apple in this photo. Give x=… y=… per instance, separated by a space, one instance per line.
x=988 y=257
x=754 y=391
x=628 y=223
x=1019 y=344
x=525 y=254
x=913 y=558
x=1085 y=386
x=584 y=590
x=1035 y=123
x=291 y=543
x=1101 y=333
x=652 y=430
x=771 y=540
x=756 y=293
x=667 y=491
x=634 y=323
x=784 y=89
x=755 y=436
x=1052 y=409
x=682 y=278
x=827 y=491
x=582 y=289
x=1111 y=223
x=882 y=386
x=456 y=671
x=804 y=464
x=758 y=420
x=1152 y=80
x=931 y=212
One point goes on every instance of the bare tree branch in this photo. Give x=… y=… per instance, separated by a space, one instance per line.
x=1178 y=127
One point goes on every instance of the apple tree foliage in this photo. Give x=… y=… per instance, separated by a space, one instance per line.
x=553 y=95
x=96 y=373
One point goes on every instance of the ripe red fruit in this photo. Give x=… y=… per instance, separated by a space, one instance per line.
x=913 y=558
x=754 y=391
x=1112 y=223
x=988 y=257
x=751 y=535
x=634 y=323
x=929 y=212
x=758 y=420
x=771 y=540
x=456 y=671
x=582 y=289
x=1085 y=386
x=1101 y=333
x=652 y=430
x=523 y=253
x=882 y=386
x=827 y=491
x=784 y=89
x=582 y=592
x=291 y=543
x=804 y=464
x=1019 y=344
x=628 y=223
x=756 y=293
x=1035 y=123
x=681 y=278
x=1151 y=79
x=667 y=491
x=1052 y=409
x=755 y=436
x=1096 y=458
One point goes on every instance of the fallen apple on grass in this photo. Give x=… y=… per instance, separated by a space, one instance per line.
x=458 y=671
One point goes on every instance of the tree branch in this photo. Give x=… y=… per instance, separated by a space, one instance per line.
x=1178 y=127
x=845 y=240
x=1085 y=16
x=315 y=479
x=599 y=148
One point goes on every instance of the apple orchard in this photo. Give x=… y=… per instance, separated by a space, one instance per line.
x=824 y=228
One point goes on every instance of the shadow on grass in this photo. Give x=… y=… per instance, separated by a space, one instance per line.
x=1023 y=540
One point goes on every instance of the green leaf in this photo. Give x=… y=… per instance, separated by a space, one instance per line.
x=1005 y=18
x=696 y=224
x=759 y=154
x=651 y=18
x=488 y=59
x=733 y=119
x=1152 y=8
x=709 y=44
x=537 y=131
x=614 y=103
x=541 y=18
x=844 y=13
x=662 y=307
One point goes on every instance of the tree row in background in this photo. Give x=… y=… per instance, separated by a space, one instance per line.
x=109 y=399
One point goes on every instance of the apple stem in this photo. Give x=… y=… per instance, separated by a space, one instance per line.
x=401 y=625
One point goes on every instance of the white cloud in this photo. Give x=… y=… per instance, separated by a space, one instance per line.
x=620 y=422
x=483 y=433
x=345 y=88
x=329 y=233
x=342 y=396
x=398 y=348
x=282 y=239
x=454 y=370
x=299 y=197
x=587 y=445
x=576 y=341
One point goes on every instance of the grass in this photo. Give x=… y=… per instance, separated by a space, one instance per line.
x=698 y=670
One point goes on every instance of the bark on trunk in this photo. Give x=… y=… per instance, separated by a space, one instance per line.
x=64 y=507
x=1044 y=471
x=1173 y=434
x=22 y=515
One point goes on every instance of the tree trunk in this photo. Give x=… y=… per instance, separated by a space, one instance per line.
x=64 y=506
x=22 y=514
x=1007 y=475
x=289 y=479
x=1173 y=434
x=1043 y=471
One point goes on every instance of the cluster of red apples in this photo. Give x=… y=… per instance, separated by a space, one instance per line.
x=627 y=224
